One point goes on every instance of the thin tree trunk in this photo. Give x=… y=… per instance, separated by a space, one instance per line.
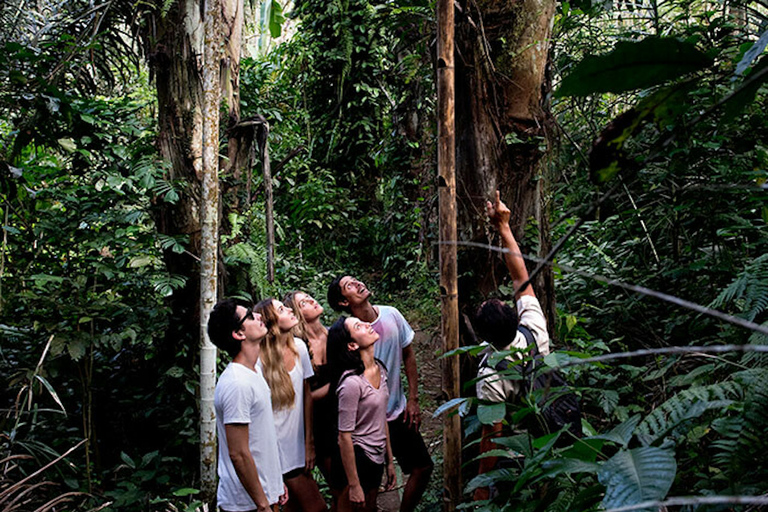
x=446 y=164
x=268 y=202
x=209 y=244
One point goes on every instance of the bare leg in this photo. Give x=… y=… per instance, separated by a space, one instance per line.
x=304 y=495
x=370 y=500
x=415 y=487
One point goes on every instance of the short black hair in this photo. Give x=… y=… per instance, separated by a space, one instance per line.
x=496 y=322
x=222 y=322
x=335 y=297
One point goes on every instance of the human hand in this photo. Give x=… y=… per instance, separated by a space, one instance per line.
x=391 y=476
x=498 y=213
x=356 y=495
x=413 y=414
x=262 y=504
x=283 y=499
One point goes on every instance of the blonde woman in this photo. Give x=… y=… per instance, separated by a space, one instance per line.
x=284 y=361
x=313 y=332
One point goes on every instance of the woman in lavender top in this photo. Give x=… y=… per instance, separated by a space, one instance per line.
x=362 y=395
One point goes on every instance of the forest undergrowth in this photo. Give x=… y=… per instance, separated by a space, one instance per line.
x=654 y=186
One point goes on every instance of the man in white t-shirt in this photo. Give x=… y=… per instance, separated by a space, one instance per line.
x=394 y=349
x=497 y=323
x=250 y=476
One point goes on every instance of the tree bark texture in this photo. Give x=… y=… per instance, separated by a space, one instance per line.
x=175 y=58
x=175 y=48
x=209 y=244
x=502 y=119
x=446 y=159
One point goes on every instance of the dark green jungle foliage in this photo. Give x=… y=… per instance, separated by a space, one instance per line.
x=350 y=99
x=687 y=216
x=350 y=94
x=83 y=282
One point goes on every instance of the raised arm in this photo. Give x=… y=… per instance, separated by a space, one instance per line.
x=499 y=215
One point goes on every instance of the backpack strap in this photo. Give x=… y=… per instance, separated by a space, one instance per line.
x=530 y=340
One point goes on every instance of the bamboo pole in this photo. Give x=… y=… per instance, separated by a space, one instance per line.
x=446 y=164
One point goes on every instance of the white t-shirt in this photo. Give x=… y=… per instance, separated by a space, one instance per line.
x=289 y=421
x=530 y=315
x=243 y=397
x=394 y=335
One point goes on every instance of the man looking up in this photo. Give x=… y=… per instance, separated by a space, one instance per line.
x=497 y=323
x=393 y=348
x=250 y=477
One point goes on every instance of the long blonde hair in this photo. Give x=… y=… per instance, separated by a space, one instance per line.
x=277 y=377
x=300 y=330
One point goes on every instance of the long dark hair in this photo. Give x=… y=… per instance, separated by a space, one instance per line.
x=340 y=358
x=342 y=361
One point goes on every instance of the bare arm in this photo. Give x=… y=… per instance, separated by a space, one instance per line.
x=309 y=437
x=499 y=215
x=356 y=494
x=391 y=474
x=321 y=392
x=245 y=466
x=412 y=409
x=490 y=432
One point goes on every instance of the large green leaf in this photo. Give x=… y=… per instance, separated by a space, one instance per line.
x=633 y=65
x=276 y=18
x=450 y=405
x=490 y=414
x=607 y=156
x=746 y=92
x=637 y=475
x=752 y=54
x=622 y=433
x=686 y=405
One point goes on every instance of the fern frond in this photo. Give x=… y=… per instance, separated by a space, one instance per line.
x=749 y=290
x=757 y=359
x=743 y=436
x=564 y=500
x=686 y=405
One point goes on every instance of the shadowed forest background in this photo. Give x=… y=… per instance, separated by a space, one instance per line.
x=630 y=140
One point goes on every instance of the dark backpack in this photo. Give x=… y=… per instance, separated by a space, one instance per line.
x=559 y=405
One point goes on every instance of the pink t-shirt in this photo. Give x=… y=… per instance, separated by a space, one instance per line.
x=363 y=411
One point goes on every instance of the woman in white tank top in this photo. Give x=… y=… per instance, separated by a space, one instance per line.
x=284 y=361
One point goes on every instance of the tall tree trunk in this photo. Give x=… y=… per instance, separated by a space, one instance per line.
x=209 y=243
x=175 y=58
x=175 y=52
x=446 y=169
x=502 y=116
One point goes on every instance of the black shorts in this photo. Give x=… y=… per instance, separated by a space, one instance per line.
x=368 y=472
x=293 y=473
x=408 y=446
